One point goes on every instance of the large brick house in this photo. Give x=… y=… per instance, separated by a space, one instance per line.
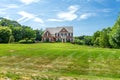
x=58 y=34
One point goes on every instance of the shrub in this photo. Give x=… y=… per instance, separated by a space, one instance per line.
x=28 y=41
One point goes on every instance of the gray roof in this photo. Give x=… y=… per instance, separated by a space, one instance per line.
x=58 y=29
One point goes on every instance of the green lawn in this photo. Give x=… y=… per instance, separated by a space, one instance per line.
x=58 y=61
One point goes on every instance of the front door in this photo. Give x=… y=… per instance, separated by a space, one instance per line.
x=63 y=40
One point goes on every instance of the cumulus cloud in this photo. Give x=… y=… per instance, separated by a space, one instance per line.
x=28 y=16
x=27 y=2
x=86 y=15
x=68 y=15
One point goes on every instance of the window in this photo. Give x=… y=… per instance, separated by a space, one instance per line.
x=44 y=39
x=65 y=34
x=56 y=39
x=61 y=34
x=69 y=34
x=71 y=39
x=47 y=33
x=49 y=39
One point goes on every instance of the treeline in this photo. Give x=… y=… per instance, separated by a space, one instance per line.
x=106 y=38
x=12 y=31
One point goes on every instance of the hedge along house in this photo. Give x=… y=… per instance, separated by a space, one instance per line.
x=58 y=34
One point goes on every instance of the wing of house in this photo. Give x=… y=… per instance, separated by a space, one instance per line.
x=58 y=34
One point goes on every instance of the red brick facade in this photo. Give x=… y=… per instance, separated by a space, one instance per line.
x=63 y=35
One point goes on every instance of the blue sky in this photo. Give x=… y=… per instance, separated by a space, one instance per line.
x=86 y=16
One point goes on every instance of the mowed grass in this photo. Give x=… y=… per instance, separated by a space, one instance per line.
x=58 y=61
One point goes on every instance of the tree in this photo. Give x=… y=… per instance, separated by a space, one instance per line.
x=17 y=33
x=6 y=22
x=5 y=34
x=115 y=35
x=87 y=40
x=104 y=38
x=11 y=39
x=39 y=34
x=28 y=32
x=95 y=38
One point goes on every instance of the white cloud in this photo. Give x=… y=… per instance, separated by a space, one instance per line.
x=12 y=6
x=28 y=16
x=58 y=20
x=67 y=15
x=73 y=8
x=27 y=2
x=86 y=16
x=38 y=20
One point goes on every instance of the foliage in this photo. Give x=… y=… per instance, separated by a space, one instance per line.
x=28 y=32
x=39 y=34
x=27 y=41
x=83 y=40
x=95 y=38
x=88 y=40
x=10 y=23
x=104 y=38
x=5 y=34
x=115 y=35
x=19 y=32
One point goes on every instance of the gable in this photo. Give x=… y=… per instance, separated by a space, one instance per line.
x=63 y=30
x=47 y=33
x=53 y=30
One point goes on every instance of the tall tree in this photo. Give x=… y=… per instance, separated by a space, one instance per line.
x=95 y=38
x=17 y=33
x=115 y=34
x=104 y=38
x=5 y=34
x=39 y=34
x=28 y=32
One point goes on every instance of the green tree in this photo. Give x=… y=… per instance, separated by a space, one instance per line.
x=87 y=40
x=5 y=34
x=115 y=35
x=17 y=33
x=39 y=34
x=104 y=38
x=6 y=22
x=95 y=38
x=28 y=32
x=11 y=39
